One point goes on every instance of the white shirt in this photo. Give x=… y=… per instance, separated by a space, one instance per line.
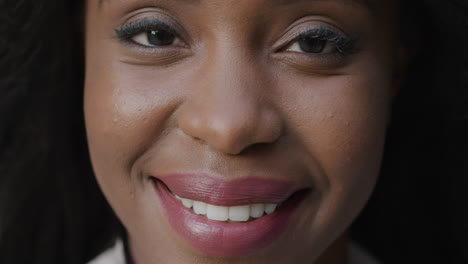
x=116 y=255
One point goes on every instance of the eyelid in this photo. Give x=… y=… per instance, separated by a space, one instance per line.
x=295 y=35
x=140 y=26
x=132 y=29
x=147 y=55
x=343 y=43
x=306 y=24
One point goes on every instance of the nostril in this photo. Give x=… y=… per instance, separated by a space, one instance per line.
x=257 y=148
x=230 y=123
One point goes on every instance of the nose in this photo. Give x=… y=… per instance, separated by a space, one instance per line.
x=228 y=108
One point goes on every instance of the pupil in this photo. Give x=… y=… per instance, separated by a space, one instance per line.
x=160 y=38
x=312 y=44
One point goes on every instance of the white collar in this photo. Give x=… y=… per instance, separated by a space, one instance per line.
x=113 y=255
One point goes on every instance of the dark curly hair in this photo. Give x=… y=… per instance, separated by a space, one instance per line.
x=52 y=211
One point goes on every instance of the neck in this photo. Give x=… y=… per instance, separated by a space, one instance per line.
x=337 y=252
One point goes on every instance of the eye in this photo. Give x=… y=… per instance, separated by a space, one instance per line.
x=322 y=41
x=156 y=38
x=149 y=33
x=312 y=44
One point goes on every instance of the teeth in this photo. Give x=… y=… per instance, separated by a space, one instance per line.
x=199 y=207
x=270 y=208
x=257 y=210
x=240 y=213
x=218 y=213
x=186 y=202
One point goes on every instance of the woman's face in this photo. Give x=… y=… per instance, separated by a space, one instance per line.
x=239 y=106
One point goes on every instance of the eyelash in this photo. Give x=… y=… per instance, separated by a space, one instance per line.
x=343 y=44
x=127 y=32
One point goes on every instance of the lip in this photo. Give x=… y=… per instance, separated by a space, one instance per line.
x=243 y=191
x=223 y=238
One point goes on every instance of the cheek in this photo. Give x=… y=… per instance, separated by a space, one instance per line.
x=347 y=126
x=340 y=122
x=121 y=122
x=118 y=107
x=120 y=102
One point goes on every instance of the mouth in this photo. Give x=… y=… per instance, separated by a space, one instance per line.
x=236 y=213
x=228 y=218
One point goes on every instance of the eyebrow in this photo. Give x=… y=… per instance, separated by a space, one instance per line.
x=287 y=2
x=279 y=2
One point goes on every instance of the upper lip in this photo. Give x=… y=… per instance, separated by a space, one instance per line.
x=212 y=190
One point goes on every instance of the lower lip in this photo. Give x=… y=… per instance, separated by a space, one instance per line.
x=222 y=238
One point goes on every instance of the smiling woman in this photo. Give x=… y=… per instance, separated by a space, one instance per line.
x=252 y=131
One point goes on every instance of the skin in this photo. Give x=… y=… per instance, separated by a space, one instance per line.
x=228 y=103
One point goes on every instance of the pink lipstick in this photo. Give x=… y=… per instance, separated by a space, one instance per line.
x=223 y=237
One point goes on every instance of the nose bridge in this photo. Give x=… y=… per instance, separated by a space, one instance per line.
x=227 y=108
